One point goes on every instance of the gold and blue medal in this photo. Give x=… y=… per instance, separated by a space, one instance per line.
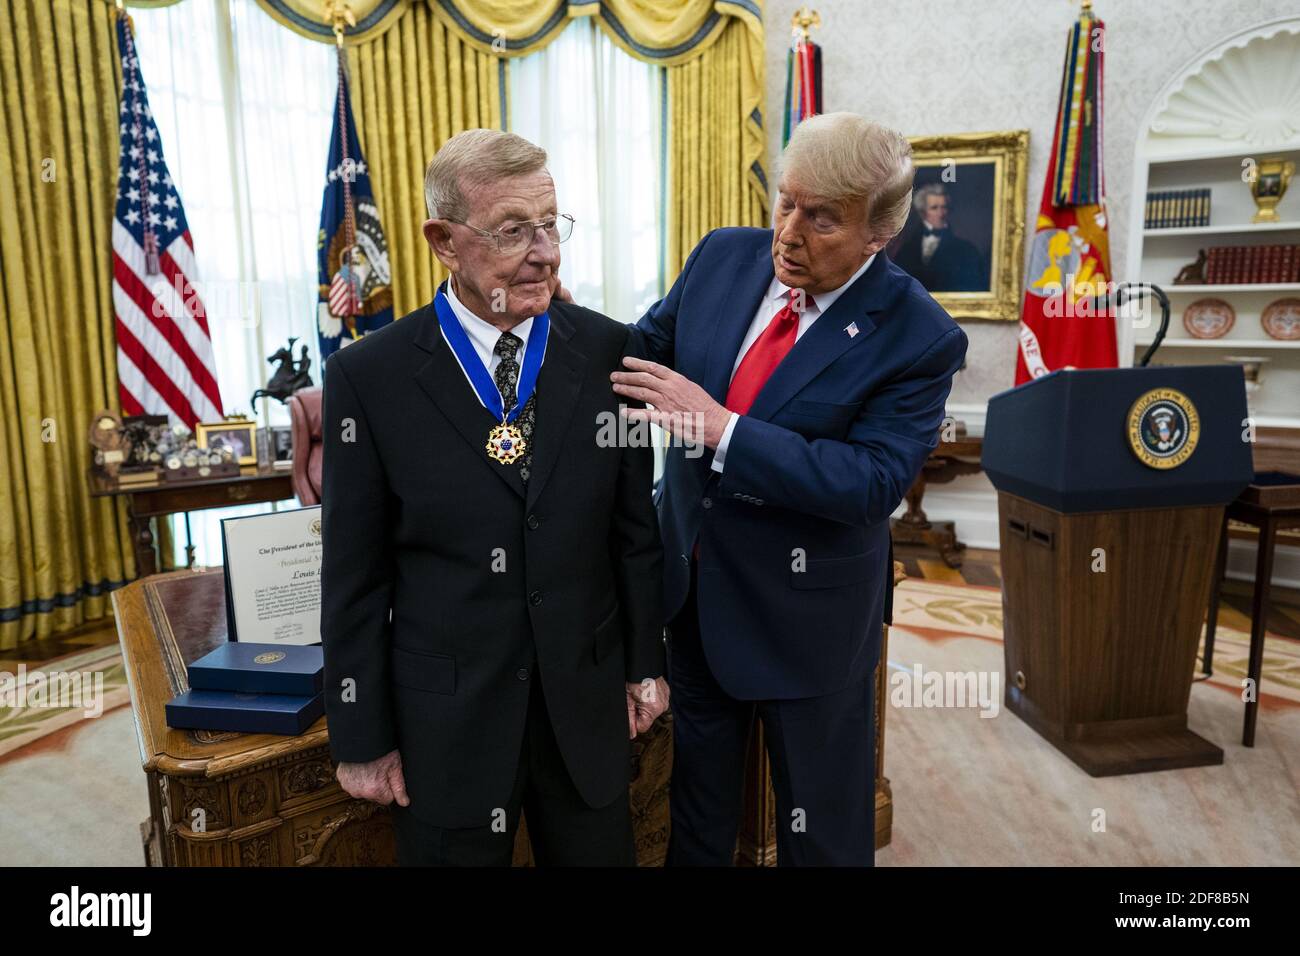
x=505 y=442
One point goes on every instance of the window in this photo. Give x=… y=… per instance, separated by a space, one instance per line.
x=247 y=150
x=597 y=112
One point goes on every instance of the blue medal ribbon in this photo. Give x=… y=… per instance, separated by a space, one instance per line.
x=483 y=384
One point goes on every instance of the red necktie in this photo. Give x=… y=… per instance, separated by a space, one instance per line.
x=760 y=361
x=763 y=357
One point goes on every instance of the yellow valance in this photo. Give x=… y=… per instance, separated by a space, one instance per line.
x=664 y=32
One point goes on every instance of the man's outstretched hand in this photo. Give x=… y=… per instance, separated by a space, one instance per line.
x=645 y=702
x=681 y=408
x=379 y=780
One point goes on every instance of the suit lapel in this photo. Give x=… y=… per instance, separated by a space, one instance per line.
x=828 y=337
x=444 y=382
x=558 y=386
x=736 y=310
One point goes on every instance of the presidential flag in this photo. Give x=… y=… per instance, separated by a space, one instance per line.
x=356 y=294
x=165 y=364
x=1069 y=261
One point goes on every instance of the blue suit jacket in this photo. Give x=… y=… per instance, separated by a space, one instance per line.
x=794 y=534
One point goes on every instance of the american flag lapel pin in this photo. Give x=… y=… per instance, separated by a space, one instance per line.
x=852 y=329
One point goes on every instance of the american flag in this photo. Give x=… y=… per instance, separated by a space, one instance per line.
x=165 y=364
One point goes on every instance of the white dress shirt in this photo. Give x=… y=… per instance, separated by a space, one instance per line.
x=929 y=244
x=483 y=335
x=773 y=302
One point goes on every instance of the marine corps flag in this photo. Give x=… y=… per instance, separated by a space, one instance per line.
x=1069 y=260
x=356 y=294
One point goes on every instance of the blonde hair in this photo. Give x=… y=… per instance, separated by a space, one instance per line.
x=472 y=158
x=845 y=158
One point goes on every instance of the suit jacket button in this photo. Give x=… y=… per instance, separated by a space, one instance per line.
x=535 y=598
x=522 y=673
x=707 y=502
x=533 y=522
x=685 y=559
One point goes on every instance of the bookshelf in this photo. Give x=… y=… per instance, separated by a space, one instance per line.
x=1221 y=109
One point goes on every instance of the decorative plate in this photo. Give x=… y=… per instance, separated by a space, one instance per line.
x=1208 y=319
x=1281 y=319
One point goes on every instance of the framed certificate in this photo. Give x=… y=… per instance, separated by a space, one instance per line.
x=273 y=564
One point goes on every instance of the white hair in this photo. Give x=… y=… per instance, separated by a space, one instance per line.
x=844 y=157
x=923 y=194
x=472 y=158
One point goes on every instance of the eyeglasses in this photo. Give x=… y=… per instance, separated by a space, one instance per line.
x=511 y=237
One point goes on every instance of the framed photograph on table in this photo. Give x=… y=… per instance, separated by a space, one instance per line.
x=240 y=436
x=964 y=237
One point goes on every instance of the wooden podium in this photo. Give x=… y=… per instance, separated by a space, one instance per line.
x=226 y=799
x=1111 y=489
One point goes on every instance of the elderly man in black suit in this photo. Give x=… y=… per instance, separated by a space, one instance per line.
x=491 y=586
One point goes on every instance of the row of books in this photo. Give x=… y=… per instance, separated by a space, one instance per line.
x=1175 y=208
x=1252 y=264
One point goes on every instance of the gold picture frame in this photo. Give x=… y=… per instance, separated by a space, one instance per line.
x=242 y=432
x=997 y=164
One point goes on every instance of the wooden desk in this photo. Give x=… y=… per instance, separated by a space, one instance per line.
x=227 y=799
x=157 y=499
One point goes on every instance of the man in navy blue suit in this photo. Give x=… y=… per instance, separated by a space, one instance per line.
x=817 y=372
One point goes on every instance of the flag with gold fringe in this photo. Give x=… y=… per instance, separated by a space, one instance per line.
x=1069 y=261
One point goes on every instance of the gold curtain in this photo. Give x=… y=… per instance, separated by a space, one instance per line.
x=712 y=51
x=412 y=89
x=715 y=166
x=63 y=551
x=664 y=32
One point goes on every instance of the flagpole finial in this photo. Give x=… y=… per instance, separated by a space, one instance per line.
x=1087 y=8
x=341 y=17
x=803 y=21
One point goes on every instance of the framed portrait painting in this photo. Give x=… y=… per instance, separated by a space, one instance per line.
x=964 y=236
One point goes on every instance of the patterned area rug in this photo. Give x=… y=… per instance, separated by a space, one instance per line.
x=931 y=609
x=20 y=725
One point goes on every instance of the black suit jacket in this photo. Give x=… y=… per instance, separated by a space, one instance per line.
x=490 y=585
x=956 y=265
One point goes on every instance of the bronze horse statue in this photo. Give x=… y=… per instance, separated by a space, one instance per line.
x=288 y=377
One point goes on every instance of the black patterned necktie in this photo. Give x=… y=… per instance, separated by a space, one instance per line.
x=507 y=379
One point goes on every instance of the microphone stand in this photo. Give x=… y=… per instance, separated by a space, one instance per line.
x=1127 y=291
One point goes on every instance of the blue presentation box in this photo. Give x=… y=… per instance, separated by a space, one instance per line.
x=295 y=669
x=244 y=713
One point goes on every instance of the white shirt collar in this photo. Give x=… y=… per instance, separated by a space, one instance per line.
x=483 y=334
x=822 y=302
